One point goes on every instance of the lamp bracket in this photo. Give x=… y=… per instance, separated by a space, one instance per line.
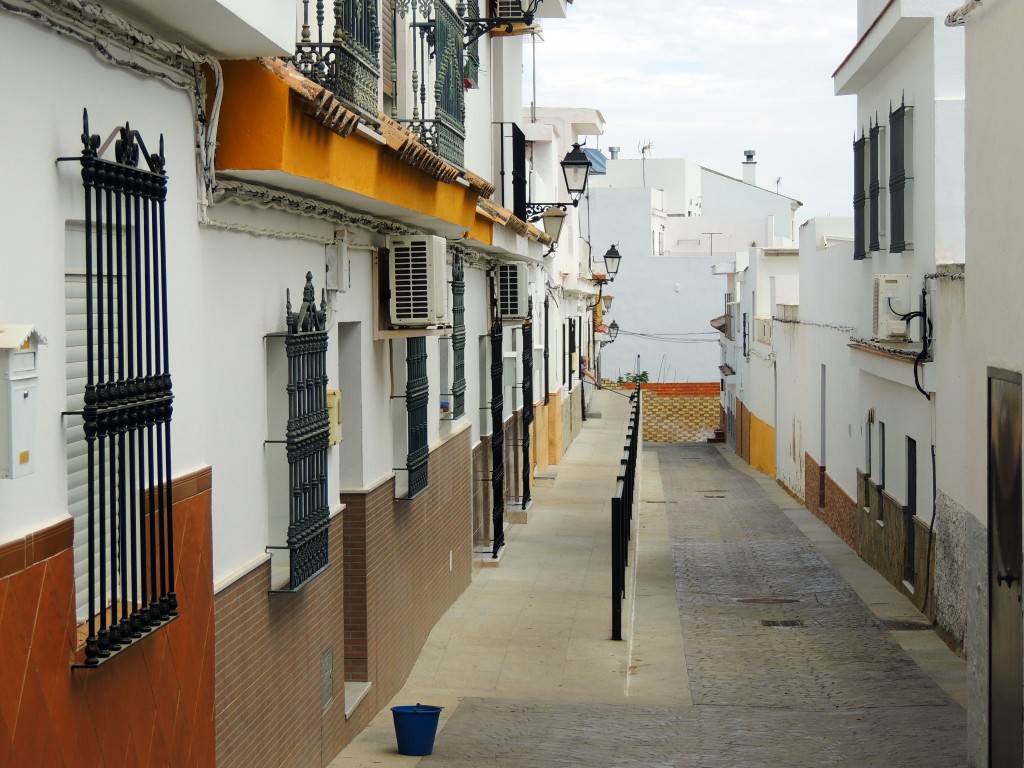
x=477 y=28
x=535 y=211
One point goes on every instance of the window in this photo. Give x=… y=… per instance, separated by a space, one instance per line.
x=416 y=401
x=497 y=438
x=859 y=198
x=910 y=540
x=472 y=72
x=881 y=455
x=119 y=395
x=527 y=401
x=901 y=178
x=459 y=336
x=876 y=192
x=867 y=444
x=302 y=535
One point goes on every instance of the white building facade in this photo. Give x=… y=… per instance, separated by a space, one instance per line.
x=273 y=353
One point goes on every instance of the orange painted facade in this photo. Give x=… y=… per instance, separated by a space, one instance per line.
x=263 y=128
x=151 y=705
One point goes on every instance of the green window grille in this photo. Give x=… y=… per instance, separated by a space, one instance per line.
x=459 y=336
x=416 y=400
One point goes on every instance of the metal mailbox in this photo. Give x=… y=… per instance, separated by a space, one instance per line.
x=18 y=381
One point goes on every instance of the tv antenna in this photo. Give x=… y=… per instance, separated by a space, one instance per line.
x=645 y=147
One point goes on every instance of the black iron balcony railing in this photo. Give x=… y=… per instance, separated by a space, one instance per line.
x=346 y=61
x=437 y=63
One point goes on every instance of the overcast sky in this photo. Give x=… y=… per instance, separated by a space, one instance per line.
x=708 y=79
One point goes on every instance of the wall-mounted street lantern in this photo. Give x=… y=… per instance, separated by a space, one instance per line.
x=576 y=170
x=612 y=257
x=613 y=331
x=607 y=300
x=478 y=27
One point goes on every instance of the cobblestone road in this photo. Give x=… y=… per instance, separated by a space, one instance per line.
x=787 y=666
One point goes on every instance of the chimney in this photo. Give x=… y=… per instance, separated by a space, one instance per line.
x=614 y=152
x=749 y=167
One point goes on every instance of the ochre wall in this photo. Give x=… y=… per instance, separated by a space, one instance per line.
x=761 y=439
x=681 y=412
x=152 y=704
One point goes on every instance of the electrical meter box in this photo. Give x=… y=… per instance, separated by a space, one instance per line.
x=18 y=381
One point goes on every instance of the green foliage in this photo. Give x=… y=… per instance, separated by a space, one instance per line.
x=633 y=378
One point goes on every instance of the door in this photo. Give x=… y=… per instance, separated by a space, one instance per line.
x=1006 y=708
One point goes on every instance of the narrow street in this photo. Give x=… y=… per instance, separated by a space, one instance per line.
x=784 y=648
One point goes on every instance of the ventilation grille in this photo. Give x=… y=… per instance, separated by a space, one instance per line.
x=513 y=295
x=417 y=280
x=410 y=281
x=508 y=9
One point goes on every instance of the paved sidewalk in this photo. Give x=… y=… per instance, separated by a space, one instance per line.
x=528 y=676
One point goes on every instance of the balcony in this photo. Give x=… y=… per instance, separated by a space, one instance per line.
x=438 y=66
x=341 y=52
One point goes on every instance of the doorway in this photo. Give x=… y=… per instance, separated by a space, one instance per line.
x=1006 y=704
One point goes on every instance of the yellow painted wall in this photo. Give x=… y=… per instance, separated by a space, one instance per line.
x=539 y=438
x=554 y=413
x=263 y=128
x=761 y=440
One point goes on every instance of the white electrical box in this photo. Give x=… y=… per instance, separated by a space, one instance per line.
x=18 y=381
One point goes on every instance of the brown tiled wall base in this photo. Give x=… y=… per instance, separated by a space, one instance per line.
x=150 y=706
x=406 y=546
x=671 y=418
x=856 y=523
x=269 y=650
x=838 y=511
x=884 y=546
x=482 y=492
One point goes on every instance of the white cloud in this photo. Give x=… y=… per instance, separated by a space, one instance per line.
x=707 y=79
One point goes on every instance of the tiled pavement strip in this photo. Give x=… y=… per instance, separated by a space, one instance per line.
x=523 y=665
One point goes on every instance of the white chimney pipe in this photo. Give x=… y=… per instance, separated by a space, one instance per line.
x=614 y=151
x=749 y=167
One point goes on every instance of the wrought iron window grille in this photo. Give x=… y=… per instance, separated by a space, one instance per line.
x=307 y=438
x=497 y=439
x=874 y=187
x=900 y=177
x=128 y=396
x=859 y=199
x=459 y=336
x=343 y=58
x=437 y=35
x=527 y=400
x=416 y=402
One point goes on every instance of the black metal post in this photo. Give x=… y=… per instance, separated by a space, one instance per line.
x=497 y=441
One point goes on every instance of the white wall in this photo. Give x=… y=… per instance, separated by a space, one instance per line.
x=47 y=196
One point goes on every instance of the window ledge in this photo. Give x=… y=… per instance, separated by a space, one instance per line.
x=355 y=692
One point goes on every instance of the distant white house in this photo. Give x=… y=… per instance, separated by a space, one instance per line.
x=672 y=221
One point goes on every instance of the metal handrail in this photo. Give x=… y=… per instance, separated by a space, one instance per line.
x=622 y=509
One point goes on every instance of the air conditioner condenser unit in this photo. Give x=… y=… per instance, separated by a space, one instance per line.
x=417 y=280
x=891 y=300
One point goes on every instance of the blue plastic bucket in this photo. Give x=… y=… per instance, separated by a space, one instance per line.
x=415 y=728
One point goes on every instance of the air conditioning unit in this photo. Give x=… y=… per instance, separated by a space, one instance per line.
x=513 y=292
x=891 y=299
x=417 y=280
x=508 y=9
